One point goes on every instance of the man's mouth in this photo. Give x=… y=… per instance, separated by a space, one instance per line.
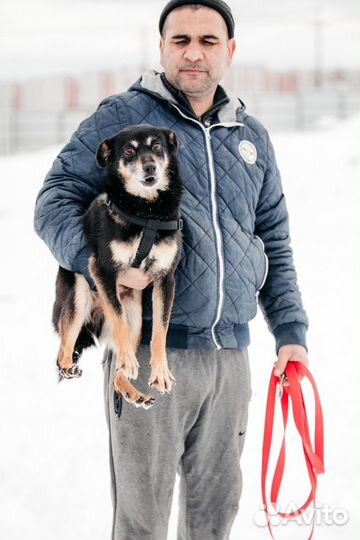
x=193 y=69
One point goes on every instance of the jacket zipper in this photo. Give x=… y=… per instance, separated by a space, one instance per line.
x=219 y=242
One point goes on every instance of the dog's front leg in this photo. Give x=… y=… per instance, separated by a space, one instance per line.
x=163 y=297
x=106 y=286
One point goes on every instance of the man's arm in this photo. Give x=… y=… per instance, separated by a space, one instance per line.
x=280 y=298
x=69 y=188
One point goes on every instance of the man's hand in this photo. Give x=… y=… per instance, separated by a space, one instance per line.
x=288 y=353
x=135 y=278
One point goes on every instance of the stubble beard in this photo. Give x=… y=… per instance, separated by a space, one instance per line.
x=195 y=89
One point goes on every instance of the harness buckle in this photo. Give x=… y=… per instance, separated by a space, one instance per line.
x=181 y=224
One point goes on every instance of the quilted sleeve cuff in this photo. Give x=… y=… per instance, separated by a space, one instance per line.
x=290 y=334
x=80 y=265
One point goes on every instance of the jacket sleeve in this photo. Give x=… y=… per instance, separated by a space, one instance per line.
x=71 y=185
x=280 y=298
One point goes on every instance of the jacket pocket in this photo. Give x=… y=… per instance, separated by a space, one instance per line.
x=266 y=264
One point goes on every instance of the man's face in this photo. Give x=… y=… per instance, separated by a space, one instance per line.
x=195 y=50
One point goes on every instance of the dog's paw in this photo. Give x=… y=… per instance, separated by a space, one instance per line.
x=161 y=378
x=141 y=400
x=124 y=388
x=73 y=372
x=128 y=364
x=134 y=397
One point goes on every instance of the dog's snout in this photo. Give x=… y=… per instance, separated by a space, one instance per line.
x=149 y=168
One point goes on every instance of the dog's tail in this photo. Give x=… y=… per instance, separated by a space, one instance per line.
x=65 y=295
x=89 y=335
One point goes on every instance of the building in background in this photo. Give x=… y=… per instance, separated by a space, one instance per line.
x=297 y=65
x=45 y=111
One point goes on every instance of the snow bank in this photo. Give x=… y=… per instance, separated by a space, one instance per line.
x=54 y=461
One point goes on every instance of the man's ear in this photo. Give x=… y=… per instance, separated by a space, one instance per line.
x=172 y=140
x=104 y=152
x=231 y=49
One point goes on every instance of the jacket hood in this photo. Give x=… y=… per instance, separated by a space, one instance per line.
x=151 y=82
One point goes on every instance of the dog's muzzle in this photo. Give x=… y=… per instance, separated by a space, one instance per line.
x=149 y=180
x=150 y=174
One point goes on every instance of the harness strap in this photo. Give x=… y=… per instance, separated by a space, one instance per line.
x=314 y=457
x=146 y=243
x=150 y=228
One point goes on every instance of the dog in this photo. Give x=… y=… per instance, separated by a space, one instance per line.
x=134 y=222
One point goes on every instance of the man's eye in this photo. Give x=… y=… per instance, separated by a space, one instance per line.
x=157 y=147
x=181 y=42
x=129 y=151
x=208 y=42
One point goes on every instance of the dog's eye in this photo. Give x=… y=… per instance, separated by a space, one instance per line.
x=157 y=147
x=129 y=151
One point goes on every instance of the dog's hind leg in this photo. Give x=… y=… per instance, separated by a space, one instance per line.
x=131 y=300
x=115 y=314
x=163 y=296
x=70 y=324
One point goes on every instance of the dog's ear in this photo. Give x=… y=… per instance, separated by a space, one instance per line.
x=104 y=152
x=172 y=140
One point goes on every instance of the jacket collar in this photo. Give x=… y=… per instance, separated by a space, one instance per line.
x=151 y=82
x=210 y=116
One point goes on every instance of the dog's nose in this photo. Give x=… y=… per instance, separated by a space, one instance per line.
x=149 y=168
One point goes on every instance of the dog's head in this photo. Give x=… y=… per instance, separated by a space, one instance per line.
x=140 y=157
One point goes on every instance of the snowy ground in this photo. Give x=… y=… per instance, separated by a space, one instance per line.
x=55 y=481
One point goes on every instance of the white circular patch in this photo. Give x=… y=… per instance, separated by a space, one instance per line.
x=248 y=152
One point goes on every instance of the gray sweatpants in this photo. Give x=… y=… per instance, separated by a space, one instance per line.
x=198 y=431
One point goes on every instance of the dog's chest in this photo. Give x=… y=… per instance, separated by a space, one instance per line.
x=160 y=258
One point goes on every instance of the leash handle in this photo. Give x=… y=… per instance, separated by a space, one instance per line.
x=314 y=456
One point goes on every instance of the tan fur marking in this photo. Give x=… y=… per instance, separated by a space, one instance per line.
x=124 y=170
x=160 y=377
x=132 y=304
x=70 y=329
x=105 y=150
x=134 y=175
x=164 y=253
x=123 y=252
x=125 y=356
x=158 y=340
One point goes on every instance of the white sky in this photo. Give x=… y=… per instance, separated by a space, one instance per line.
x=38 y=37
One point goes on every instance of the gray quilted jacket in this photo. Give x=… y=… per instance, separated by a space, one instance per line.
x=236 y=237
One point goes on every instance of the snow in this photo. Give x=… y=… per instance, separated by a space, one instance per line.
x=55 y=478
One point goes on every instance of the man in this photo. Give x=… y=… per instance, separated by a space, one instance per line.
x=236 y=250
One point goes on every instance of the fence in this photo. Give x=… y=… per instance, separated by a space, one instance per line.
x=45 y=112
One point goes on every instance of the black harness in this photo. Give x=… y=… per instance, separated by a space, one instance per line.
x=150 y=228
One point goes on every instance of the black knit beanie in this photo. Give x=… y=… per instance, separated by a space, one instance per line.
x=218 y=5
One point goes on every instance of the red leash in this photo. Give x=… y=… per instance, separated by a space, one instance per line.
x=314 y=457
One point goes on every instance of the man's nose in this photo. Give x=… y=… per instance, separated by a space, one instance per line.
x=193 y=53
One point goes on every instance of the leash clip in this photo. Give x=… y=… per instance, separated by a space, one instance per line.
x=281 y=385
